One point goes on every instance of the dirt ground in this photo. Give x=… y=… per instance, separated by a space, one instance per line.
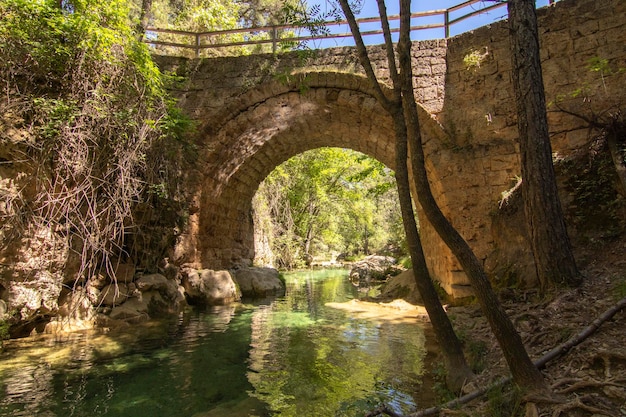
x=590 y=379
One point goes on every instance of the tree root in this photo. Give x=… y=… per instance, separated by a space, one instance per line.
x=577 y=384
x=558 y=351
x=578 y=403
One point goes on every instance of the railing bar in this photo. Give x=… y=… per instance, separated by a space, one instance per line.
x=476 y=12
x=308 y=38
x=177 y=45
x=278 y=27
x=173 y=31
x=464 y=4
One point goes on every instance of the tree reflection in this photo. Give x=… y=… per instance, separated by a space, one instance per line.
x=309 y=359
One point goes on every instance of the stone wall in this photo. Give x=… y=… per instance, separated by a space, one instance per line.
x=255 y=112
x=481 y=159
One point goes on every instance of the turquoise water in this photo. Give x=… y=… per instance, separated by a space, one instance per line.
x=289 y=356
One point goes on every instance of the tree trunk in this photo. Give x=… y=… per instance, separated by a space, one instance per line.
x=550 y=243
x=458 y=372
x=525 y=374
x=144 y=17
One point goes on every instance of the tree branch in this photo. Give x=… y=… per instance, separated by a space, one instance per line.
x=363 y=57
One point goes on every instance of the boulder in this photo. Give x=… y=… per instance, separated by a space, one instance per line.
x=123 y=273
x=146 y=305
x=208 y=287
x=76 y=312
x=168 y=288
x=113 y=295
x=76 y=305
x=373 y=268
x=401 y=286
x=36 y=297
x=259 y=282
x=133 y=310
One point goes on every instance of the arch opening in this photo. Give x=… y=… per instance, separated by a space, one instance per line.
x=257 y=140
x=324 y=206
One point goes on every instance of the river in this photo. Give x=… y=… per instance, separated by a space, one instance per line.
x=297 y=355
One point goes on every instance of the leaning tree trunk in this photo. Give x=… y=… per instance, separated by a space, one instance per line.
x=525 y=374
x=457 y=370
x=550 y=243
x=456 y=367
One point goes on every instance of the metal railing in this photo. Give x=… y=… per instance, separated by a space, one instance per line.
x=199 y=41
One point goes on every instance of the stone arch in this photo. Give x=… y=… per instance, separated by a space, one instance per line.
x=264 y=127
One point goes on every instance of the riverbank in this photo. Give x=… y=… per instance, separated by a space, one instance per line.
x=589 y=380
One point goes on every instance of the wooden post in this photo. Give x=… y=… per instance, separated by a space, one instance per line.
x=274 y=39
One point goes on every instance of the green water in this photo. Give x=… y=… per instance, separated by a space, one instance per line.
x=289 y=356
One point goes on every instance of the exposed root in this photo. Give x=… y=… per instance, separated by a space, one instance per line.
x=579 y=384
x=579 y=404
x=574 y=384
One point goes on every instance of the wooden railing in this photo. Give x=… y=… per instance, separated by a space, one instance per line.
x=199 y=41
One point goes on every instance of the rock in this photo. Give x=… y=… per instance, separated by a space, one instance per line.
x=157 y=282
x=76 y=312
x=208 y=287
x=76 y=305
x=123 y=273
x=401 y=286
x=36 y=297
x=99 y=281
x=259 y=282
x=373 y=268
x=112 y=295
x=462 y=291
x=133 y=310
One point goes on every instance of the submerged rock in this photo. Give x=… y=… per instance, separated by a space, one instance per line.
x=259 y=282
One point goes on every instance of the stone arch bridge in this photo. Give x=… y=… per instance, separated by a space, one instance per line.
x=257 y=111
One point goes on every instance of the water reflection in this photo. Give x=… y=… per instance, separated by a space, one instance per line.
x=295 y=355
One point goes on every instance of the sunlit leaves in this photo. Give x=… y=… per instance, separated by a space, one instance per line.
x=330 y=200
x=96 y=105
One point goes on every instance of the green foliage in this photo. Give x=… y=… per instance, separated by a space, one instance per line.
x=620 y=288
x=601 y=65
x=474 y=59
x=406 y=262
x=4 y=331
x=503 y=402
x=214 y=15
x=106 y=136
x=440 y=387
x=329 y=200
x=476 y=355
